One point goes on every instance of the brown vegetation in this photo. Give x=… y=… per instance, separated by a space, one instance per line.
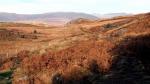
x=86 y=53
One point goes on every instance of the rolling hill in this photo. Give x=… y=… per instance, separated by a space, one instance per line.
x=110 y=51
x=46 y=17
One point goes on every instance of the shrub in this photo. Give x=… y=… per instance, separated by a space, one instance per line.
x=57 y=79
x=76 y=75
x=93 y=66
x=5 y=77
x=22 y=36
x=35 y=31
x=109 y=26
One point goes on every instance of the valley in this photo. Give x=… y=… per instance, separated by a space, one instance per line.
x=82 y=51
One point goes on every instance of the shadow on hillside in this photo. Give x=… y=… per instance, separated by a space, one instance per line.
x=132 y=61
x=131 y=65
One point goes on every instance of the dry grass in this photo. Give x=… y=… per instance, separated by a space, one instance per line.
x=13 y=24
x=72 y=52
x=78 y=55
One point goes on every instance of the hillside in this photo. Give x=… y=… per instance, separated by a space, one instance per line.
x=109 y=51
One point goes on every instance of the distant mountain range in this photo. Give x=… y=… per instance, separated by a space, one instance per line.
x=56 y=17
x=46 y=17
x=111 y=15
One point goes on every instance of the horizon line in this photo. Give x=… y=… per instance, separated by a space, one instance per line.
x=73 y=12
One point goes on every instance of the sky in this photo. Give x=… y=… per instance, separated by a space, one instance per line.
x=86 y=6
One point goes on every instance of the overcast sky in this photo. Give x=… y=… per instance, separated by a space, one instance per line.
x=87 y=6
